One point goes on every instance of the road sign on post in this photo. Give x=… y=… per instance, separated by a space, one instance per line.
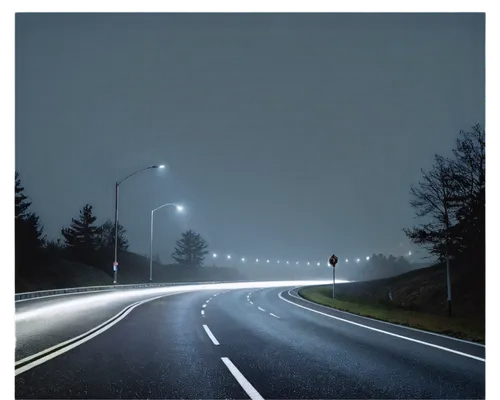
x=333 y=262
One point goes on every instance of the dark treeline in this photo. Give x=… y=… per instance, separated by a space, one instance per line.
x=84 y=253
x=450 y=201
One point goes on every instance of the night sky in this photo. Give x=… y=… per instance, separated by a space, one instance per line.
x=285 y=135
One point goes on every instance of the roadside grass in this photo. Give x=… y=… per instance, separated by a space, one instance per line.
x=451 y=326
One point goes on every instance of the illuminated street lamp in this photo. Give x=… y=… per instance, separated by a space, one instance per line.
x=256 y=260
x=179 y=208
x=297 y=263
x=367 y=258
x=346 y=260
x=117 y=184
x=409 y=253
x=228 y=257
x=318 y=264
x=357 y=260
x=278 y=261
x=308 y=263
x=288 y=262
x=243 y=259
x=214 y=255
x=267 y=261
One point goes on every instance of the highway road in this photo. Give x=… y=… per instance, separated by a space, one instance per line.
x=230 y=342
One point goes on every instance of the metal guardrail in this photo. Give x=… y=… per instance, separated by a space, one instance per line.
x=53 y=292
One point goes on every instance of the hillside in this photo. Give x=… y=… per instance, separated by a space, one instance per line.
x=425 y=290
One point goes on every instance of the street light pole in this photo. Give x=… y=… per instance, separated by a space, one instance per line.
x=179 y=208
x=115 y=264
x=117 y=184
x=151 y=251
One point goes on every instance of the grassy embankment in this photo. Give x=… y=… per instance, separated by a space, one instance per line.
x=413 y=305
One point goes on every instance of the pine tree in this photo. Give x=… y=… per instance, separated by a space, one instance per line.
x=82 y=237
x=22 y=202
x=29 y=238
x=191 y=249
x=107 y=238
x=34 y=231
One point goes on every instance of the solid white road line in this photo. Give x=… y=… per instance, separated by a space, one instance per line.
x=204 y=305
x=247 y=386
x=389 y=323
x=77 y=343
x=211 y=335
x=251 y=302
x=274 y=315
x=384 y=332
x=261 y=309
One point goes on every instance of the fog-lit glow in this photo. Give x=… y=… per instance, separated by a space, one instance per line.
x=267 y=261
x=318 y=264
x=367 y=258
x=214 y=255
x=308 y=263
x=68 y=306
x=161 y=166
x=409 y=253
x=278 y=261
x=346 y=260
x=180 y=208
x=297 y=263
x=288 y=262
x=256 y=260
x=243 y=259
x=228 y=257
x=357 y=260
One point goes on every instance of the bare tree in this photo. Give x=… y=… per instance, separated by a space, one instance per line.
x=470 y=178
x=435 y=198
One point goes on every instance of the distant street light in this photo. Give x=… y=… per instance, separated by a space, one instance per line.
x=256 y=260
x=179 y=209
x=288 y=262
x=346 y=260
x=214 y=255
x=318 y=264
x=308 y=263
x=117 y=184
x=367 y=258
x=228 y=257
x=297 y=263
x=357 y=260
x=278 y=261
x=409 y=253
x=267 y=261
x=243 y=259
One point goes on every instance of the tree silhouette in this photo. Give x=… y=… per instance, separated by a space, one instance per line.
x=107 y=237
x=82 y=237
x=29 y=238
x=191 y=249
x=470 y=175
x=21 y=202
x=435 y=198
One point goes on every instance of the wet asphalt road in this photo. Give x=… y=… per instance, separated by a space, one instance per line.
x=252 y=343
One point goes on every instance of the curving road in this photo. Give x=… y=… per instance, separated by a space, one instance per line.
x=239 y=343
